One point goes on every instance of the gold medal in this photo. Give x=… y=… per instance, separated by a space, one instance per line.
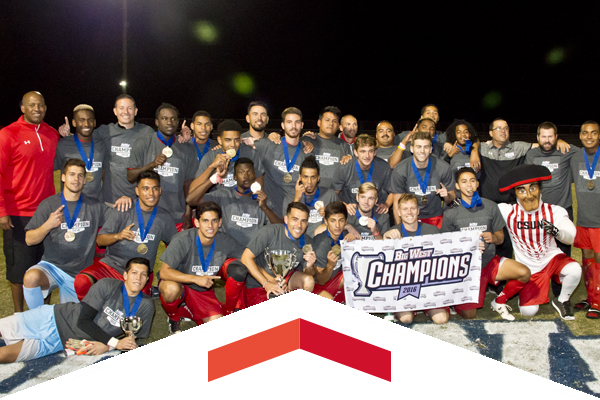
x=89 y=177
x=336 y=250
x=231 y=153
x=69 y=236
x=424 y=200
x=287 y=178
x=142 y=249
x=307 y=249
x=167 y=151
x=590 y=184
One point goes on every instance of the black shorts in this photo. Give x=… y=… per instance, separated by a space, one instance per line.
x=19 y=256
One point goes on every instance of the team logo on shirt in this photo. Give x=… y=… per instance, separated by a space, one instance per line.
x=550 y=166
x=282 y=167
x=584 y=173
x=314 y=217
x=417 y=190
x=166 y=170
x=96 y=165
x=327 y=159
x=212 y=270
x=124 y=150
x=149 y=236
x=113 y=317
x=245 y=221
x=229 y=181
x=78 y=226
x=474 y=227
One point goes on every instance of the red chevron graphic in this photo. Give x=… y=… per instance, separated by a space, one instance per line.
x=300 y=334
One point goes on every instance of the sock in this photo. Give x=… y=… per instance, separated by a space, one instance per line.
x=511 y=289
x=82 y=285
x=171 y=308
x=570 y=276
x=593 y=287
x=33 y=297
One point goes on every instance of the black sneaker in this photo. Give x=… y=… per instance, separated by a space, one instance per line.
x=173 y=326
x=564 y=309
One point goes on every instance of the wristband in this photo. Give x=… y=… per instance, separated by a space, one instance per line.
x=376 y=233
x=216 y=178
x=402 y=146
x=113 y=342
x=265 y=284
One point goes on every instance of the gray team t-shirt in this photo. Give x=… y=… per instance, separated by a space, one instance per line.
x=328 y=154
x=486 y=218
x=228 y=181
x=118 y=142
x=162 y=229
x=274 y=237
x=178 y=168
x=314 y=218
x=322 y=246
x=588 y=212
x=273 y=161
x=405 y=181
x=347 y=181
x=458 y=161
x=426 y=229
x=66 y=149
x=242 y=216
x=182 y=254
x=386 y=152
x=558 y=189
x=200 y=148
x=383 y=224
x=106 y=297
x=73 y=256
x=438 y=146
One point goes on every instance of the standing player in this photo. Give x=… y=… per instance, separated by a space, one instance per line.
x=27 y=150
x=408 y=210
x=244 y=211
x=367 y=221
x=201 y=128
x=175 y=162
x=586 y=171
x=136 y=232
x=46 y=330
x=119 y=138
x=385 y=140
x=191 y=263
x=364 y=167
x=483 y=215
x=427 y=178
x=257 y=119
x=349 y=129
x=462 y=138
x=429 y=112
x=67 y=223
x=309 y=192
x=533 y=227
x=87 y=147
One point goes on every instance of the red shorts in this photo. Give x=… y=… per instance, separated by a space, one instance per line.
x=588 y=239
x=536 y=290
x=179 y=226
x=436 y=221
x=258 y=295
x=334 y=287
x=488 y=276
x=98 y=270
x=198 y=305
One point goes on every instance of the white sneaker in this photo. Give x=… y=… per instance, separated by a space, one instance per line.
x=389 y=317
x=503 y=310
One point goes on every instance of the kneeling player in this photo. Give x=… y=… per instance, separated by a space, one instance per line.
x=329 y=280
x=191 y=263
x=46 y=329
x=533 y=227
x=475 y=213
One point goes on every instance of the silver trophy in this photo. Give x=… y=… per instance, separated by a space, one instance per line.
x=131 y=325
x=280 y=262
x=360 y=270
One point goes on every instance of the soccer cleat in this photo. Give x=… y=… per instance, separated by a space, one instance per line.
x=582 y=305
x=173 y=326
x=593 y=313
x=503 y=310
x=564 y=309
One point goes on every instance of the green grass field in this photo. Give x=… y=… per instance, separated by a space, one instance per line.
x=581 y=325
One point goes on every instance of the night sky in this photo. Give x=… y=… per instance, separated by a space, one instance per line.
x=376 y=62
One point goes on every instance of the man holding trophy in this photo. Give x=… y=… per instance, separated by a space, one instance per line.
x=97 y=320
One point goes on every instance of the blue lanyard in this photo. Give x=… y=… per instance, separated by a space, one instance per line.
x=591 y=168
x=300 y=239
x=234 y=159
x=405 y=232
x=254 y=197
x=314 y=200
x=88 y=161
x=435 y=138
x=136 y=305
x=165 y=142
x=70 y=220
x=358 y=215
x=205 y=261
x=422 y=182
x=203 y=152
x=144 y=229
x=334 y=242
x=467 y=150
x=289 y=164
x=475 y=201
x=360 y=173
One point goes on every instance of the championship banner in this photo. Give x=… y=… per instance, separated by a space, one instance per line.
x=412 y=273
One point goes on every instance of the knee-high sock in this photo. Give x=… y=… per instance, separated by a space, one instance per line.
x=82 y=285
x=570 y=276
x=511 y=289
x=33 y=297
x=587 y=275
x=171 y=308
x=593 y=288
